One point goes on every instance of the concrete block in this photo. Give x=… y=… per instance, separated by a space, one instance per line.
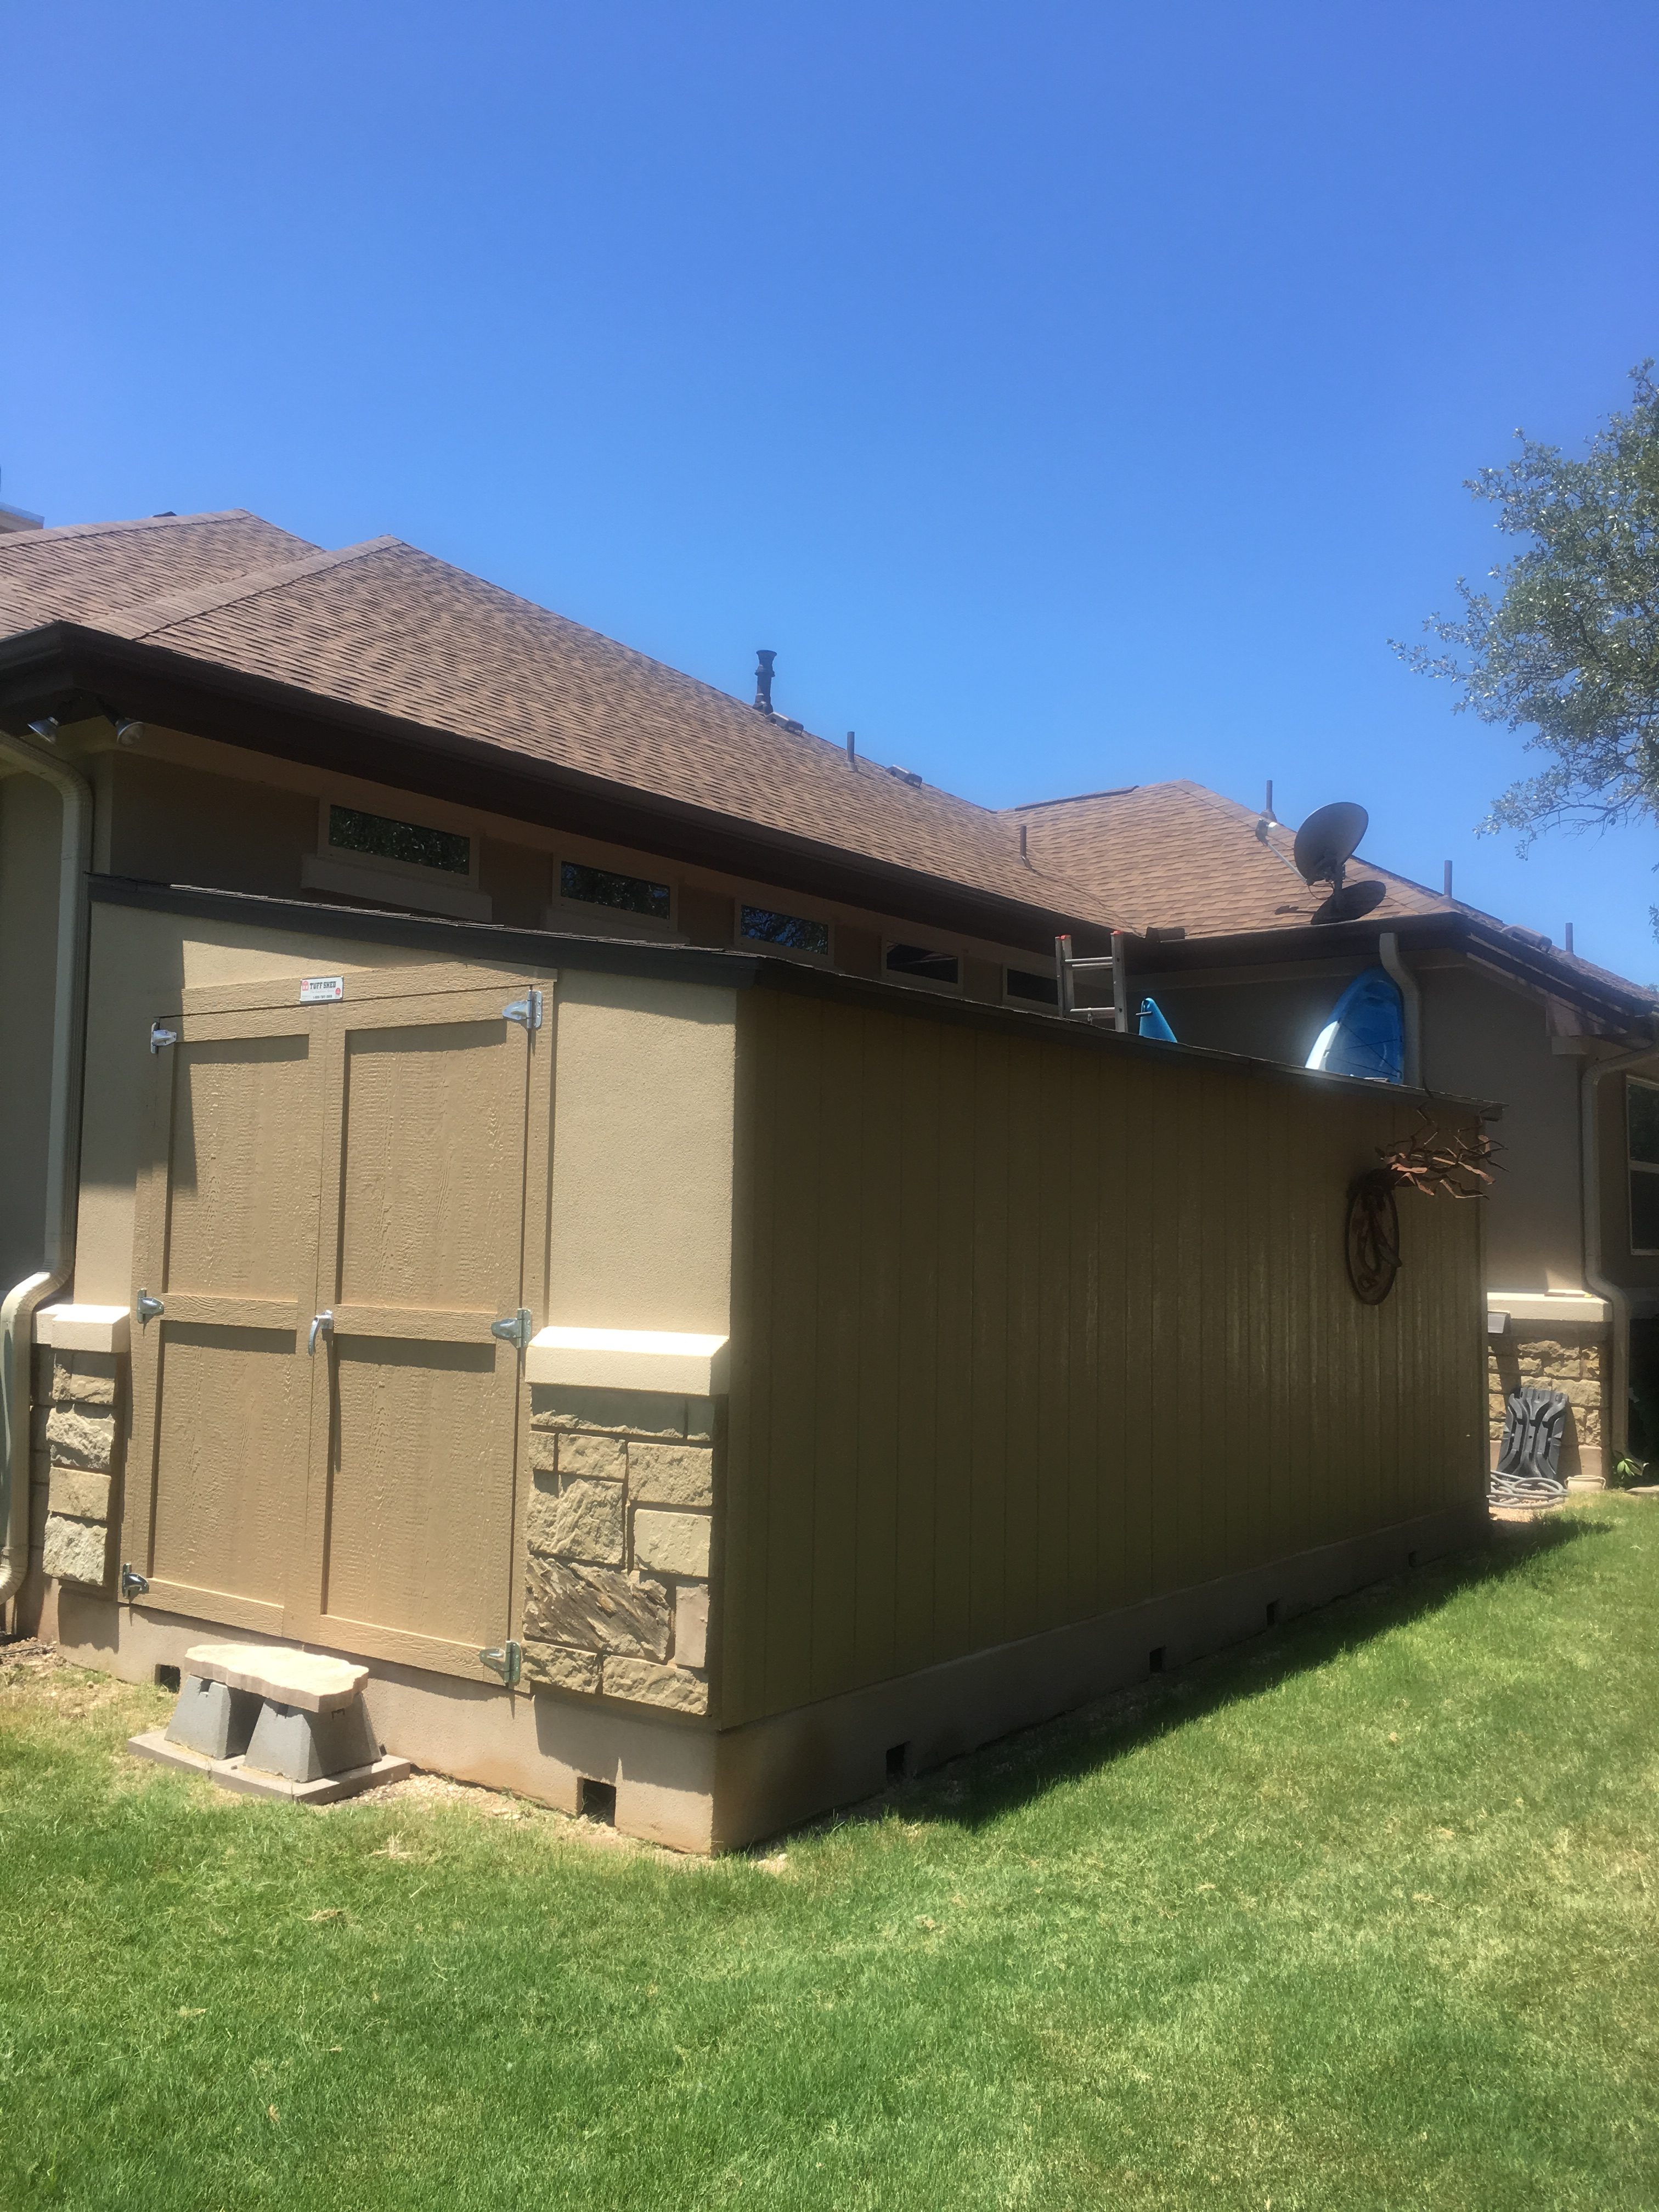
x=40 y=1415
x=589 y=1523
x=76 y=1551
x=85 y=1378
x=81 y=1436
x=578 y=1407
x=599 y=1458
x=544 y=1452
x=646 y=1685
x=595 y=1609
x=213 y=1718
x=700 y=1420
x=304 y=1746
x=79 y=1493
x=670 y=1475
x=692 y=1624
x=556 y=1666
x=673 y=1543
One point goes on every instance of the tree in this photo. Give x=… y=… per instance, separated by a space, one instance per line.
x=1570 y=649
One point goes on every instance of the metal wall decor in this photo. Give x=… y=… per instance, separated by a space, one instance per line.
x=1373 y=1237
x=1430 y=1161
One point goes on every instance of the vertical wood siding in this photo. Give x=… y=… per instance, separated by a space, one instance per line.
x=1025 y=1330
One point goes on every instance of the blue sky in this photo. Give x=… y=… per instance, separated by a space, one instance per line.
x=1073 y=395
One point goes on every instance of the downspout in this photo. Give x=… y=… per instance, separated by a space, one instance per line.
x=1618 y=1301
x=62 y=1153
x=1411 y=1002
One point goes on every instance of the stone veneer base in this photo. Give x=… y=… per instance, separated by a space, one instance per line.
x=681 y=1783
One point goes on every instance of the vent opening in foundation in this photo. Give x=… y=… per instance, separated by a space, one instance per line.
x=166 y=1678
x=597 y=1801
x=898 y=1761
x=1272 y=1612
x=1155 y=1660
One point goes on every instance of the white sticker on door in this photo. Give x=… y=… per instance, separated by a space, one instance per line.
x=316 y=990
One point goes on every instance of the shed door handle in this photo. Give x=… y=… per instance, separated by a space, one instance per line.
x=322 y=1324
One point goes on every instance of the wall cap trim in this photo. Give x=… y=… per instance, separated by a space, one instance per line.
x=629 y=1359
x=1576 y=1306
x=84 y=1329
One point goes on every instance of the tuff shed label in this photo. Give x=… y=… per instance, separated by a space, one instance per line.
x=317 y=990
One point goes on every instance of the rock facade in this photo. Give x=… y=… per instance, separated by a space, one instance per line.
x=1556 y=1356
x=80 y=1415
x=618 y=1543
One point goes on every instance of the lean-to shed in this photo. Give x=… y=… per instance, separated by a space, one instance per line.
x=677 y=1372
x=585 y=1201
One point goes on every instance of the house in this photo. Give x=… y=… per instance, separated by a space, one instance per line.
x=1221 y=933
x=534 y=1173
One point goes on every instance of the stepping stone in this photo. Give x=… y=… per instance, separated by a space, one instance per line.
x=261 y=1718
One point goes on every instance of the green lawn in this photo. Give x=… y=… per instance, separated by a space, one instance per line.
x=1360 y=1915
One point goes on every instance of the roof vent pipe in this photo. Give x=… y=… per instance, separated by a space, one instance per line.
x=763 y=661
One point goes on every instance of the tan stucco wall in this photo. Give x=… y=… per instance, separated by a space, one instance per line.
x=642 y=1184
x=29 y=822
x=140 y=962
x=641 y=1233
x=1482 y=1038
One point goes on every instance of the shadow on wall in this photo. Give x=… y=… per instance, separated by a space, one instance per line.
x=971 y=1791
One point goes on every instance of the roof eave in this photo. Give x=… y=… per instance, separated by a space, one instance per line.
x=1533 y=966
x=258 y=714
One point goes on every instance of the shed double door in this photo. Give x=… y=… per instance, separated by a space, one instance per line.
x=332 y=1218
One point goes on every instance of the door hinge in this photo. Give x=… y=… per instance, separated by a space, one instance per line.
x=527 y=1009
x=150 y=1309
x=514 y=1329
x=507 y=1661
x=160 y=1034
x=133 y=1584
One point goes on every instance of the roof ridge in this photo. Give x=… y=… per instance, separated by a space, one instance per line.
x=152 y=616
x=55 y=532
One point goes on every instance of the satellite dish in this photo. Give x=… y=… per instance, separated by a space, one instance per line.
x=1349 y=901
x=1326 y=842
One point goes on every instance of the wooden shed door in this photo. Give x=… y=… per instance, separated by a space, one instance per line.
x=227 y=1243
x=353 y=1485
x=410 y=1526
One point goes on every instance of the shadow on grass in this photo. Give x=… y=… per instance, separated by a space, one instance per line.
x=982 y=1786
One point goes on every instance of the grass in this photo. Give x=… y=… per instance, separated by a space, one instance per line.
x=1358 y=1915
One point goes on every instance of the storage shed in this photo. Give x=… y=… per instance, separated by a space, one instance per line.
x=719 y=1382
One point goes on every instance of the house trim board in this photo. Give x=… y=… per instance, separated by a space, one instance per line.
x=500 y=946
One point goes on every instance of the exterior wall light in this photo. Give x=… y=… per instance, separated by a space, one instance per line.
x=127 y=729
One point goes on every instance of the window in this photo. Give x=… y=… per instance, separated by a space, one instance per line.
x=923 y=965
x=792 y=930
x=1041 y=990
x=1642 y=1142
x=380 y=838
x=599 y=887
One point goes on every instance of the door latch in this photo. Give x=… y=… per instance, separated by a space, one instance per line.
x=514 y=1329
x=133 y=1584
x=507 y=1661
x=527 y=1009
x=322 y=1325
x=150 y=1309
x=160 y=1034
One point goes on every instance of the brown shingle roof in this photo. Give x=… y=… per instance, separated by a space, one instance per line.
x=385 y=626
x=1177 y=855
x=85 y=572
